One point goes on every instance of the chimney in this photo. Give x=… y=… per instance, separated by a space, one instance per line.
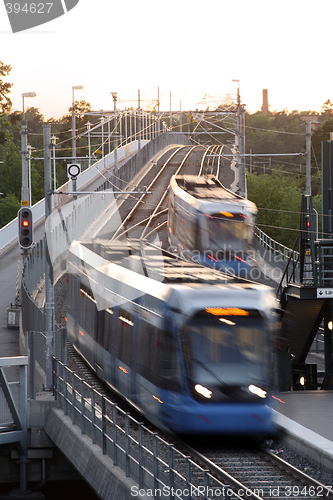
x=264 y=108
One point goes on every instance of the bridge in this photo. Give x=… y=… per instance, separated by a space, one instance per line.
x=115 y=454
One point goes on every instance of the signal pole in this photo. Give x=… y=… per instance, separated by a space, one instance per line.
x=308 y=157
x=49 y=296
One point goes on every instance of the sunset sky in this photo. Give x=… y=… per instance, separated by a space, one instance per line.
x=191 y=48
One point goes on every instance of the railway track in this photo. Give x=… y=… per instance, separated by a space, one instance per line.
x=244 y=472
x=254 y=469
x=239 y=470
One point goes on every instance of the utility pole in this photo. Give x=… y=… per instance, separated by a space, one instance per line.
x=308 y=157
x=180 y=119
x=49 y=297
x=24 y=152
x=158 y=110
x=114 y=97
x=170 y=125
x=139 y=122
x=75 y=87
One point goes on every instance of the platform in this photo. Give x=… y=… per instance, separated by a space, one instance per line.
x=306 y=420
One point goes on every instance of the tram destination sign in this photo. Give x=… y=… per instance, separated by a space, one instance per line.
x=324 y=293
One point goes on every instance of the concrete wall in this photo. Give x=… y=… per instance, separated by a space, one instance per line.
x=96 y=469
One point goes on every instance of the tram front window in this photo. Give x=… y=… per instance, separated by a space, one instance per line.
x=227 y=350
x=232 y=230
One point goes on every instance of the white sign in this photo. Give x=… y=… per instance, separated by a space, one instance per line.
x=11 y=318
x=324 y=293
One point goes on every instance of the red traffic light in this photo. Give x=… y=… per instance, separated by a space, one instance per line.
x=25 y=229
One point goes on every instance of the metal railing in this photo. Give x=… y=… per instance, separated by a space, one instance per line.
x=274 y=253
x=143 y=455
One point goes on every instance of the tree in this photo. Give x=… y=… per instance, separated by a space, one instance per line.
x=9 y=206
x=5 y=102
x=278 y=199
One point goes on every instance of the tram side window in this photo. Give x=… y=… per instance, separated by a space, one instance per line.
x=146 y=351
x=108 y=318
x=87 y=311
x=157 y=357
x=125 y=331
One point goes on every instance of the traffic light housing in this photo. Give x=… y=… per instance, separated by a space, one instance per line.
x=25 y=229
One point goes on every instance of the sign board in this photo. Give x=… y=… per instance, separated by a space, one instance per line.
x=324 y=293
x=73 y=170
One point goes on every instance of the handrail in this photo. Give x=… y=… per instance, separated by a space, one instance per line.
x=142 y=454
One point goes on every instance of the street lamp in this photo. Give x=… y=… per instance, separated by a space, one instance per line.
x=24 y=134
x=75 y=87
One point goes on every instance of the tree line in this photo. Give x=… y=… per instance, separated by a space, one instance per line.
x=275 y=184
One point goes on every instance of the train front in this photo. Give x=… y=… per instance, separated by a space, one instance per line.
x=226 y=348
x=227 y=237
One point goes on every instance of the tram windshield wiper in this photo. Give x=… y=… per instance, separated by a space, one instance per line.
x=203 y=365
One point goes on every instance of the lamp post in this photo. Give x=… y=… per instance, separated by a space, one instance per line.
x=75 y=87
x=24 y=152
x=241 y=142
x=89 y=147
x=29 y=149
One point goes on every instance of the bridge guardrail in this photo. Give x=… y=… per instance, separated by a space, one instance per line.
x=274 y=253
x=149 y=460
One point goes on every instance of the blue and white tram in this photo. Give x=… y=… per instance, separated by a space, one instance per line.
x=191 y=352
x=210 y=224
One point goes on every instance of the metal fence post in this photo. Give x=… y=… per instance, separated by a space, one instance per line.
x=31 y=366
x=206 y=484
x=83 y=406
x=74 y=399
x=115 y=418
x=171 y=470
x=65 y=390
x=188 y=473
x=155 y=461
x=93 y=417
x=103 y=425
x=127 y=444
x=141 y=463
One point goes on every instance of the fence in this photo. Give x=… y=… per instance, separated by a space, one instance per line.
x=142 y=454
x=274 y=253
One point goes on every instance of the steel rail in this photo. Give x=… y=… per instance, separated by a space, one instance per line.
x=203 y=159
x=166 y=191
x=130 y=214
x=282 y=464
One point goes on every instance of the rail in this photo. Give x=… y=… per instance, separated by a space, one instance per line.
x=143 y=455
x=274 y=253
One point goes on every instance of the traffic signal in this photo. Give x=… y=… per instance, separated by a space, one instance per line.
x=25 y=229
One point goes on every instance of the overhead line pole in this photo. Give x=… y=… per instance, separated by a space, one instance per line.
x=49 y=280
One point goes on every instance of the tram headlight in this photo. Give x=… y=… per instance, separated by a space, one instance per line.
x=257 y=391
x=203 y=391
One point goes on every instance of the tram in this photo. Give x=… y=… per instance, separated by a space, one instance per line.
x=210 y=224
x=187 y=346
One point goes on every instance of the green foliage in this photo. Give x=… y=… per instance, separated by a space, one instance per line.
x=5 y=102
x=9 y=206
x=278 y=199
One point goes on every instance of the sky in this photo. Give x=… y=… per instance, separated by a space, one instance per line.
x=192 y=49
